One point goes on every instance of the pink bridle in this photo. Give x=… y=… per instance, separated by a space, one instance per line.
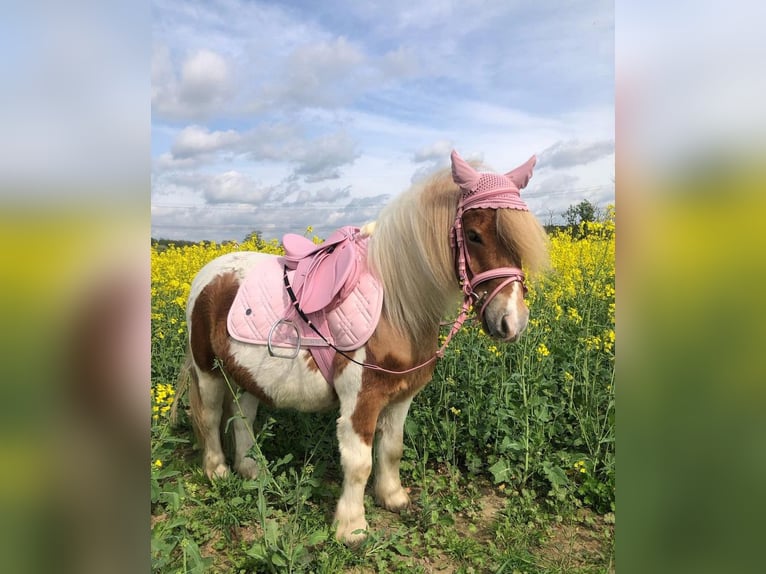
x=469 y=281
x=484 y=190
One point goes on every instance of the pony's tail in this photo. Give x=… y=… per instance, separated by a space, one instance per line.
x=186 y=382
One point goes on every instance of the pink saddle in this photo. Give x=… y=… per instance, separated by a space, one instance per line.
x=332 y=285
x=326 y=273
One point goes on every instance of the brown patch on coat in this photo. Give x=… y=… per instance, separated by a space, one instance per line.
x=311 y=364
x=380 y=389
x=209 y=335
x=339 y=364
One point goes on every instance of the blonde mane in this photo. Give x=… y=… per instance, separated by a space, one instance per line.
x=411 y=253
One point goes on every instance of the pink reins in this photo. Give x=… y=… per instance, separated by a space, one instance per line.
x=478 y=190
x=468 y=284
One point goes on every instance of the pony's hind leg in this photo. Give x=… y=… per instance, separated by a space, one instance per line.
x=245 y=409
x=388 y=487
x=207 y=407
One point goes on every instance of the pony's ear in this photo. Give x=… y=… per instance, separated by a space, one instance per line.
x=462 y=173
x=522 y=174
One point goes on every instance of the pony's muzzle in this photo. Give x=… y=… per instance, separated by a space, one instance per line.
x=506 y=317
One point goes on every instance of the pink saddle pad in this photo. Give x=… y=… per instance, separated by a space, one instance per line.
x=262 y=302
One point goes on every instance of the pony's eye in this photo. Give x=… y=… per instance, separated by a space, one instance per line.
x=473 y=236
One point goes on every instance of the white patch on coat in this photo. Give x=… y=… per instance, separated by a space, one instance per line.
x=516 y=313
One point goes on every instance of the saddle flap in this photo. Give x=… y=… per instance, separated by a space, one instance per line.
x=324 y=277
x=297 y=247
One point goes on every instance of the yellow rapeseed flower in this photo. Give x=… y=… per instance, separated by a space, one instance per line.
x=574 y=314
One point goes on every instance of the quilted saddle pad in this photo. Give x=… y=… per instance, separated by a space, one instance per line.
x=262 y=302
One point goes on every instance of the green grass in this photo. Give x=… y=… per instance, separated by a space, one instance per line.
x=493 y=490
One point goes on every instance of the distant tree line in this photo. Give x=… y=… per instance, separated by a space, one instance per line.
x=574 y=217
x=162 y=244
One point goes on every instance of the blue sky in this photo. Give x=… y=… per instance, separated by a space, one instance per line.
x=273 y=116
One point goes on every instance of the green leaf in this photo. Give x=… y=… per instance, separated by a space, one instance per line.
x=501 y=471
x=271 y=531
x=403 y=549
x=555 y=475
x=509 y=444
x=316 y=537
x=257 y=550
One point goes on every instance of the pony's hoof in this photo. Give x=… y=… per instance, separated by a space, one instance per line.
x=395 y=502
x=352 y=535
x=248 y=468
x=219 y=471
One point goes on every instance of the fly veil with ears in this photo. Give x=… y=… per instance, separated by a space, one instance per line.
x=485 y=190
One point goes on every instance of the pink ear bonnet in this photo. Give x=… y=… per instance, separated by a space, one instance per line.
x=491 y=190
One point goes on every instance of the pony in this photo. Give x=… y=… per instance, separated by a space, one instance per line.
x=460 y=232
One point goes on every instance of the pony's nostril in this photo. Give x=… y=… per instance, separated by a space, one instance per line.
x=504 y=327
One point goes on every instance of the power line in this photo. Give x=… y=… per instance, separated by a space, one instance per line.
x=289 y=206
x=294 y=206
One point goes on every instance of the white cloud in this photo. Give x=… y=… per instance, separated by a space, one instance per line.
x=204 y=78
x=403 y=62
x=314 y=158
x=322 y=74
x=234 y=187
x=436 y=151
x=320 y=159
x=574 y=152
x=198 y=89
x=197 y=140
x=324 y=195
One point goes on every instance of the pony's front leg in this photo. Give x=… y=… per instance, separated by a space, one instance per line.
x=388 y=487
x=356 y=459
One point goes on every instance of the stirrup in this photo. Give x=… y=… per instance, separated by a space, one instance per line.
x=271 y=333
